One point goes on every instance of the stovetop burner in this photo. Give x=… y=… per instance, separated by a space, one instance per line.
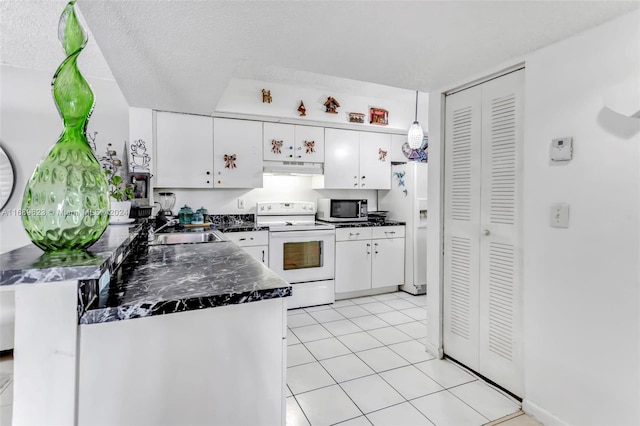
x=288 y=216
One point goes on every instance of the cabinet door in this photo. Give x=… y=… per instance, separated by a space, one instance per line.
x=375 y=166
x=237 y=161
x=278 y=142
x=341 y=165
x=396 y=148
x=353 y=266
x=260 y=253
x=387 y=266
x=184 y=150
x=309 y=144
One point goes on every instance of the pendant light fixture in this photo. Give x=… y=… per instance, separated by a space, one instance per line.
x=416 y=134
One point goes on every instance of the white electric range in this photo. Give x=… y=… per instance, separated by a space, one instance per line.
x=301 y=251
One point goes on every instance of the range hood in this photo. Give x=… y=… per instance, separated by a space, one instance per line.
x=292 y=168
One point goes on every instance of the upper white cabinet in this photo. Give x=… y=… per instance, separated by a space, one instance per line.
x=237 y=159
x=184 y=151
x=355 y=160
x=341 y=160
x=288 y=142
x=396 y=154
x=375 y=166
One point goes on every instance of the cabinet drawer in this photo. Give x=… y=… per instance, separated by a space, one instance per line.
x=388 y=232
x=249 y=238
x=353 y=234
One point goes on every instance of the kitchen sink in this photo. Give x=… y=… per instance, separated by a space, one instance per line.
x=187 y=238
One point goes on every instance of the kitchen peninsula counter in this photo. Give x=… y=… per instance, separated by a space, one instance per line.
x=74 y=349
x=182 y=277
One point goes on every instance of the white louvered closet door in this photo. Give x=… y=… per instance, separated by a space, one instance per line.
x=495 y=278
x=461 y=225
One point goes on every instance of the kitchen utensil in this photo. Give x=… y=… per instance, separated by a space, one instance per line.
x=167 y=201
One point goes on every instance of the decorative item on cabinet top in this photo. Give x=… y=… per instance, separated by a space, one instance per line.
x=302 y=110
x=378 y=116
x=356 y=117
x=266 y=96
x=331 y=104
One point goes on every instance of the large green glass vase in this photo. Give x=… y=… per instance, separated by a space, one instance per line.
x=66 y=201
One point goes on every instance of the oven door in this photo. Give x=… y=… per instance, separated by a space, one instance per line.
x=302 y=256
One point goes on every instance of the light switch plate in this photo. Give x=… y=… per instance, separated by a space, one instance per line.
x=241 y=203
x=561 y=149
x=559 y=217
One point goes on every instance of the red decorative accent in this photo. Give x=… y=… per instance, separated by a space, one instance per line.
x=230 y=161
x=382 y=155
x=310 y=146
x=275 y=146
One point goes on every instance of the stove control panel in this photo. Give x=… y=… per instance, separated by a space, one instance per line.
x=285 y=207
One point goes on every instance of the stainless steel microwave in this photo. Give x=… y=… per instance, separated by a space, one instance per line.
x=341 y=210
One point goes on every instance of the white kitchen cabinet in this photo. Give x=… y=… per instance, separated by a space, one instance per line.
x=256 y=243
x=237 y=153
x=369 y=258
x=375 y=166
x=396 y=155
x=387 y=264
x=341 y=160
x=219 y=351
x=355 y=160
x=184 y=151
x=309 y=144
x=288 y=142
x=353 y=259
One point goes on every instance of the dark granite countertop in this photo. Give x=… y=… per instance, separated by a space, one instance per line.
x=175 y=278
x=365 y=224
x=29 y=264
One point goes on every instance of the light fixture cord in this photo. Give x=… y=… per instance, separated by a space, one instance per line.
x=416 y=120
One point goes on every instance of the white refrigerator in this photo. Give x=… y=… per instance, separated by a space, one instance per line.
x=406 y=201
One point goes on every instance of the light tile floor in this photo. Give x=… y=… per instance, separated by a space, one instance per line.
x=362 y=361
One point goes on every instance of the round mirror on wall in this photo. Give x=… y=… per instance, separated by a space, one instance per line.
x=7 y=178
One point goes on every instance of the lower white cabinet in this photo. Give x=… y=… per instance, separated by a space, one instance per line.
x=369 y=258
x=186 y=368
x=256 y=243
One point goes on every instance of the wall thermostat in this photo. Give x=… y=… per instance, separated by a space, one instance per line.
x=562 y=149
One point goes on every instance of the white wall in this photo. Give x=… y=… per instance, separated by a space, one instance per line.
x=581 y=285
x=245 y=97
x=30 y=126
x=582 y=310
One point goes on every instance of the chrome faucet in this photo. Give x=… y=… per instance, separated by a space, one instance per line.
x=171 y=222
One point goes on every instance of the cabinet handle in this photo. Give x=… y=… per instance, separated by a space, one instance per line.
x=355 y=184
x=363 y=177
x=299 y=148
x=486 y=232
x=355 y=177
x=208 y=172
x=262 y=256
x=368 y=248
x=351 y=234
x=390 y=232
x=242 y=239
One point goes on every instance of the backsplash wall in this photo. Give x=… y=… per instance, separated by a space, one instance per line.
x=276 y=188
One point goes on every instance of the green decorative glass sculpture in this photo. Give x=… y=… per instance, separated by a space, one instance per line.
x=66 y=202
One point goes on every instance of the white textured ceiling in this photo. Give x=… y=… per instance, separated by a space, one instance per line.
x=180 y=55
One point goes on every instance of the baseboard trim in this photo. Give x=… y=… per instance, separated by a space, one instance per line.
x=434 y=350
x=540 y=414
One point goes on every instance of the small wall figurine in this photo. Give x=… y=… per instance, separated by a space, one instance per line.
x=302 y=110
x=331 y=104
x=266 y=96
x=356 y=117
x=382 y=155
